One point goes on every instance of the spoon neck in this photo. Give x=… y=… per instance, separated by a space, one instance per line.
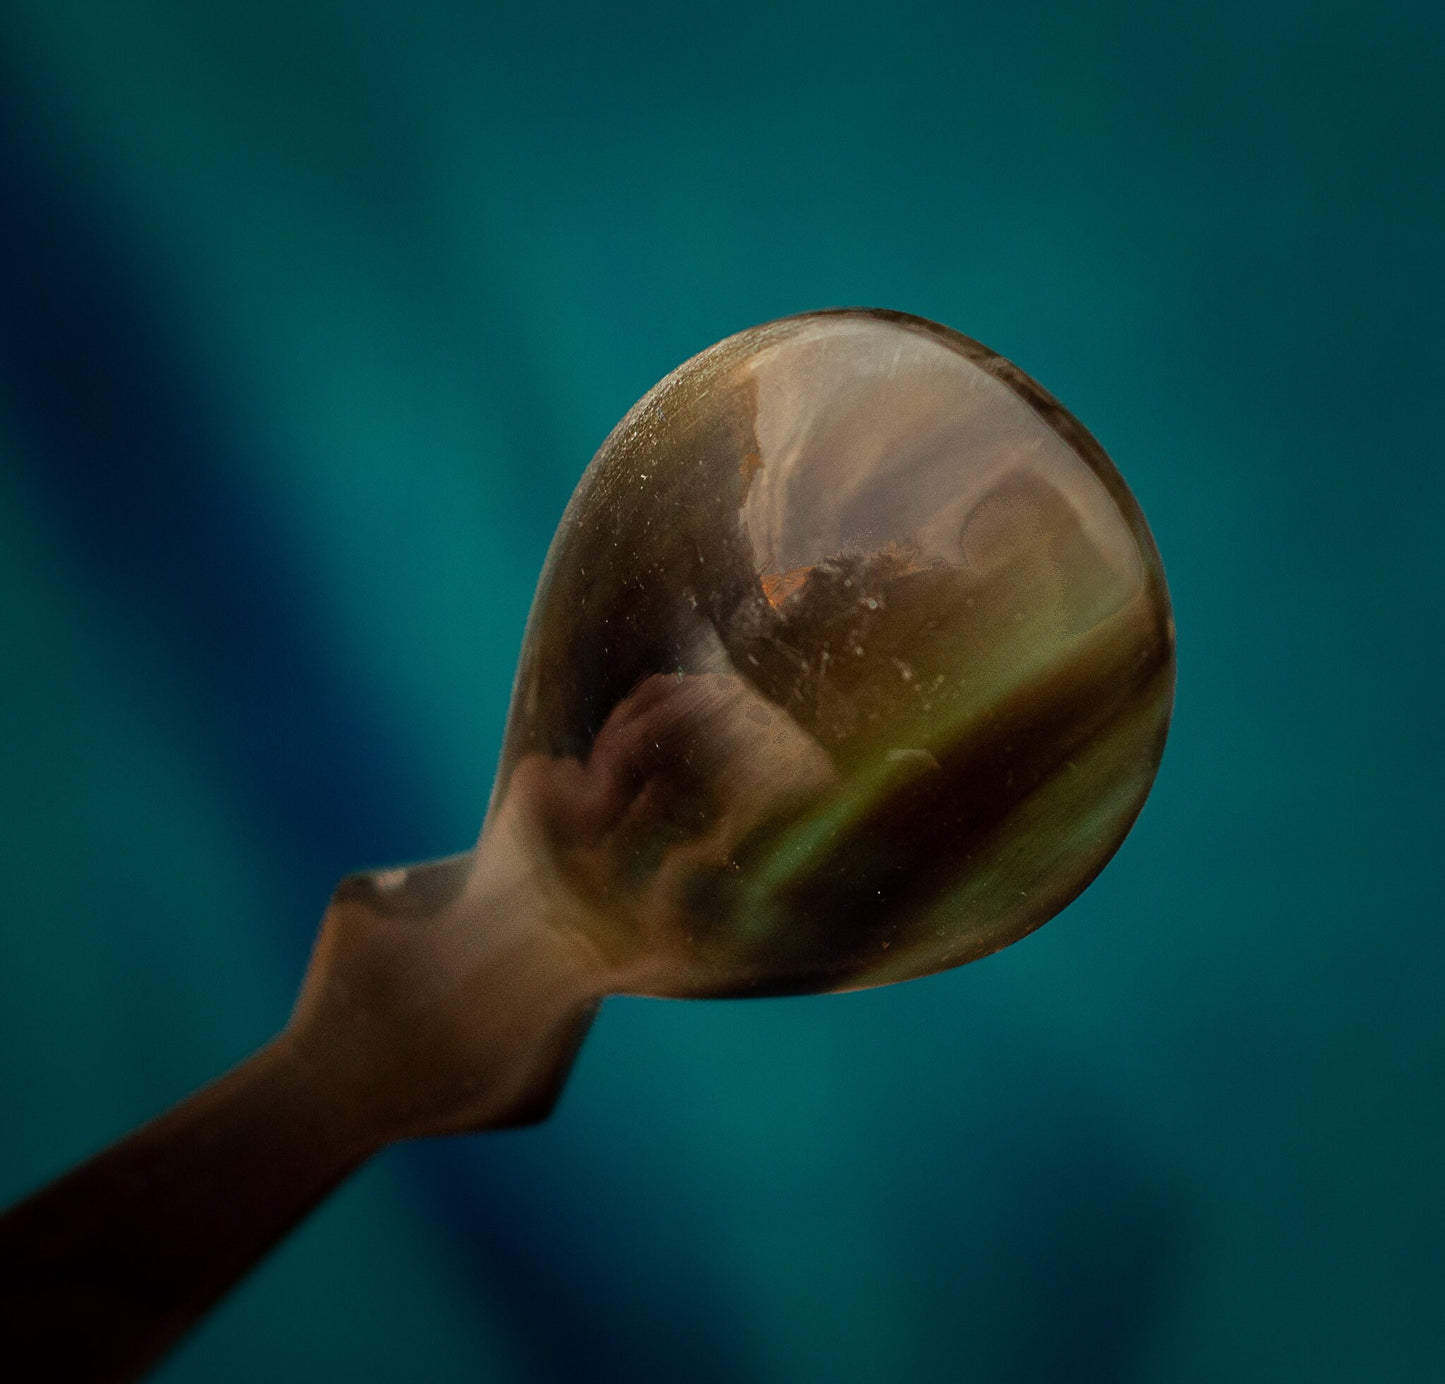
x=442 y=998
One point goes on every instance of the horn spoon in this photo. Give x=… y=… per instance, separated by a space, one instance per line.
x=851 y=660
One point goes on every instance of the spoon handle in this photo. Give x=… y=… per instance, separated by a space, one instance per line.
x=438 y=1000
x=105 y=1269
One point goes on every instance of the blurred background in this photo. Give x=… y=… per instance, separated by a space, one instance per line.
x=311 y=315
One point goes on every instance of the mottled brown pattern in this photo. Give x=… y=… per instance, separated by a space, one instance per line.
x=873 y=652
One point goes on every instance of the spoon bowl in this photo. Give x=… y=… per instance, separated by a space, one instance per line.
x=851 y=660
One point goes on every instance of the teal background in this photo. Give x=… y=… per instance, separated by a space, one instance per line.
x=311 y=315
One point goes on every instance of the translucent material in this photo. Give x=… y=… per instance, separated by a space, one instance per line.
x=851 y=660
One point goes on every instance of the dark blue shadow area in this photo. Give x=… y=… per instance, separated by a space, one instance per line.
x=141 y=464
x=1040 y=1244
x=1087 y=1255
